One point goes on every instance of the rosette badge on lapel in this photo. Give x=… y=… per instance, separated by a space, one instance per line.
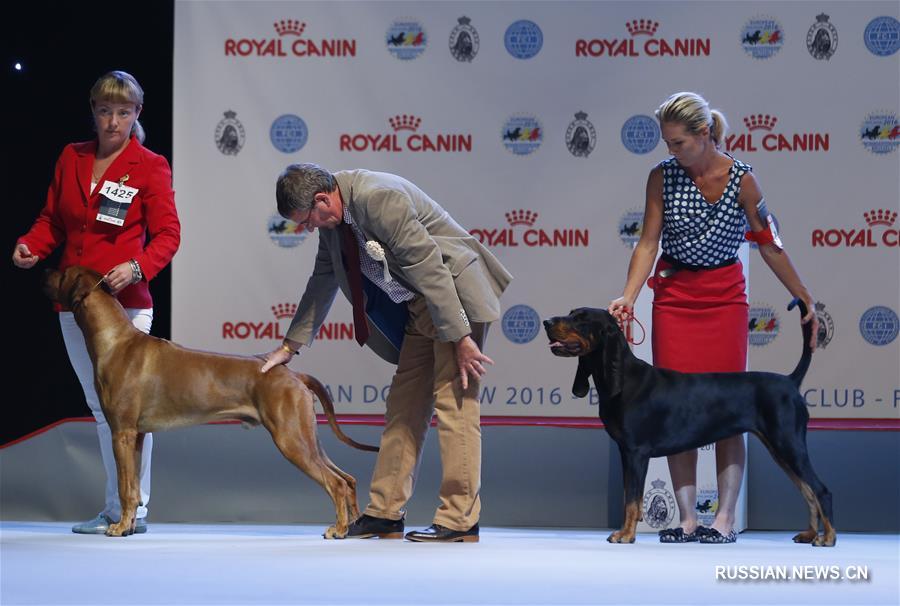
x=375 y=250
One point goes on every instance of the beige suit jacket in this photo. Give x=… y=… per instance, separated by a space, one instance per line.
x=427 y=252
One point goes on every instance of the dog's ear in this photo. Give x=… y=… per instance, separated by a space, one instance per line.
x=581 y=386
x=79 y=287
x=613 y=361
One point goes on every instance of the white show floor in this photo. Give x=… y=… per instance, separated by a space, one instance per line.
x=44 y=563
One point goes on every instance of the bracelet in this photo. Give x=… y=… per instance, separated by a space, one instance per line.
x=288 y=349
x=136 y=274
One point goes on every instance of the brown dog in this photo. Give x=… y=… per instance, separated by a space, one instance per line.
x=147 y=384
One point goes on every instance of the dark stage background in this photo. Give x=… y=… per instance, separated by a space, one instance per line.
x=64 y=47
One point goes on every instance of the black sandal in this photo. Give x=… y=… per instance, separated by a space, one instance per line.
x=714 y=536
x=677 y=535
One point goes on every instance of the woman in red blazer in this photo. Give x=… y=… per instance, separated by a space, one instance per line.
x=107 y=197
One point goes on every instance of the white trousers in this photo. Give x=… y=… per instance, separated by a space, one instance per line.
x=81 y=363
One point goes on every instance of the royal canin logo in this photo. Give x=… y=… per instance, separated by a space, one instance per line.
x=637 y=45
x=530 y=236
x=289 y=43
x=761 y=135
x=272 y=330
x=405 y=138
x=866 y=237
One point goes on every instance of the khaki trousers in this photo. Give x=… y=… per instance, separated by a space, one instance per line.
x=426 y=383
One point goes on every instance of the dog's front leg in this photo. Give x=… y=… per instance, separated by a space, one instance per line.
x=124 y=443
x=634 y=471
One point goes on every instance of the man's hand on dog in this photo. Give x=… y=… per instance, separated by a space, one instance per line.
x=280 y=356
x=469 y=360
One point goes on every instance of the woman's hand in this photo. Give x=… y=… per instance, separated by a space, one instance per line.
x=621 y=308
x=23 y=258
x=119 y=277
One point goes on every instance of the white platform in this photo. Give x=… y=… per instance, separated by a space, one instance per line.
x=44 y=563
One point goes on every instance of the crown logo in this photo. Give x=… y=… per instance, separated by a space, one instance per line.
x=289 y=27
x=284 y=310
x=819 y=306
x=658 y=484
x=521 y=217
x=405 y=122
x=581 y=116
x=642 y=26
x=760 y=121
x=229 y=115
x=880 y=217
x=822 y=18
x=464 y=20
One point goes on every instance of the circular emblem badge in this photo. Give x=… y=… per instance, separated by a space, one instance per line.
x=406 y=39
x=822 y=38
x=631 y=224
x=230 y=134
x=880 y=133
x=288 y=133
x=882 y=36
x=826 y=326
x=581 y=136
x=879 y=325
x=640 y=134
x=762 y=37
x=464 y=40
x=658 y=505
x=522 y=135
x=523 y=39
x=521 y=324
x=763 y=325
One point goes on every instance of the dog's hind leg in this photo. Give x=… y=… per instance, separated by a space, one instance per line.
x=125 y=444
x=634 y=472
x=293 y=428
x=352 y=502
x=794 y=460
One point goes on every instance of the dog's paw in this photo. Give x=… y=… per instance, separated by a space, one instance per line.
x=333 y=533
x=620 y=536
x=807 y=536
x=824 y=541
x=119 y=530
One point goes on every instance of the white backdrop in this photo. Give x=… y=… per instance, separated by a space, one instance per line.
x=379 y=85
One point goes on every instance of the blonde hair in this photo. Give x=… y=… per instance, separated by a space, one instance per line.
x=120 y=87
x=692 y=110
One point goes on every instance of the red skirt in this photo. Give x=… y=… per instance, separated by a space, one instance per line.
x=700 y=319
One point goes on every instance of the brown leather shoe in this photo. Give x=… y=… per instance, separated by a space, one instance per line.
x=441 y=534
x=367 y=527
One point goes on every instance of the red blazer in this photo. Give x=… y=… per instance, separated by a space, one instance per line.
x=70 y=217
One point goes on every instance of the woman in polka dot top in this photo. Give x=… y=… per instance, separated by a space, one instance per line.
x=699 y=203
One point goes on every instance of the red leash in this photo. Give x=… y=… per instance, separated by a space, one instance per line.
x=629 y=316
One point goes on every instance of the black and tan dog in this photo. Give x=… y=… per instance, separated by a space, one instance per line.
x=652 y=412
x=147 y=384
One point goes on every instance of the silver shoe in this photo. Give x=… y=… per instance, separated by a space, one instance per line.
x=100 y=525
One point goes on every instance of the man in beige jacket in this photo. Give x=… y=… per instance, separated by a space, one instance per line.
x=424 y=292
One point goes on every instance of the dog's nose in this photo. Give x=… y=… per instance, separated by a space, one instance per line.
x=547 y=323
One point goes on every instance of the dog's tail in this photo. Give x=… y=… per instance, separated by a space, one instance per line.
x=806 y=356
x=328 y=406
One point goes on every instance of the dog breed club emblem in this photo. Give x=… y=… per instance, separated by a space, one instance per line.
x=464 y=41
x=581 y=136
x=822 y=38
x=659 y=505
x=230 y=134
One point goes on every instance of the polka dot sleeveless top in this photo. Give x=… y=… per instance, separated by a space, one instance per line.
x=696 y=232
